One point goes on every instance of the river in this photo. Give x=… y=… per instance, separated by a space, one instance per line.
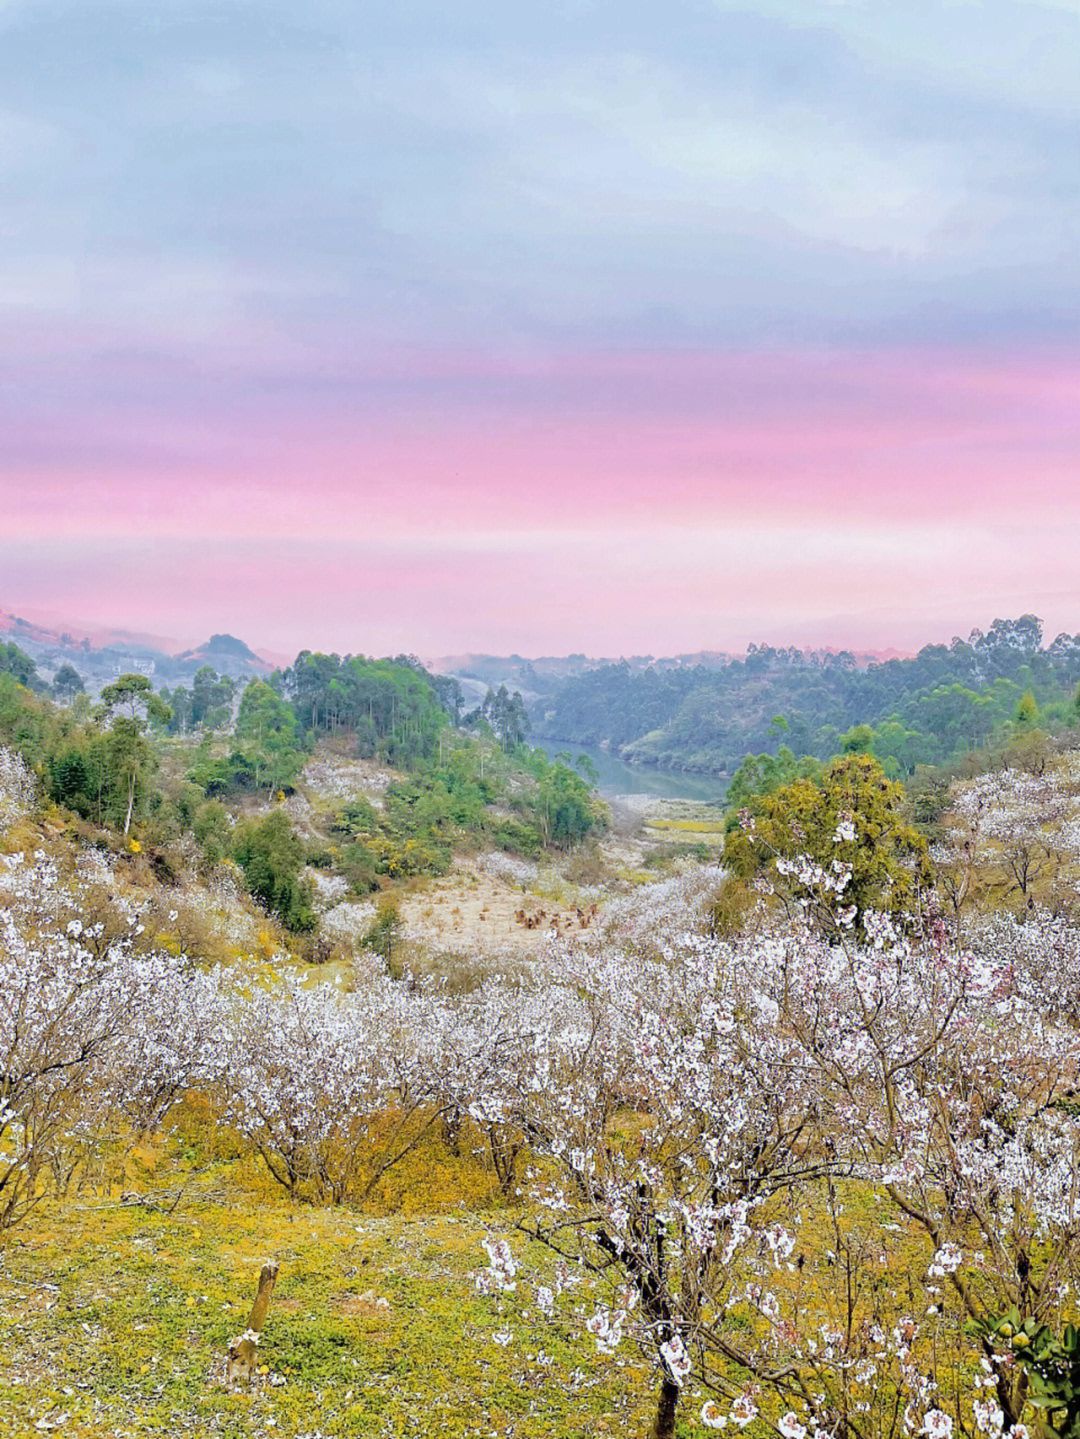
x=616 y=777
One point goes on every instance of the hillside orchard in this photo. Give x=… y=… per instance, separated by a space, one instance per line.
x=816 y=1178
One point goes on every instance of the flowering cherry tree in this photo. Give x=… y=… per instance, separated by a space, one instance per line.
x=744 y=1145
x=664 y=1110
x=333 y=1089
x=95 y=1027
x=1009 y=832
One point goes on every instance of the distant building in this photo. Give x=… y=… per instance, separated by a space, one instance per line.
x=128 y=665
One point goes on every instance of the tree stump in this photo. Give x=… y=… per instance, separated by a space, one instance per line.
x=244 y=1349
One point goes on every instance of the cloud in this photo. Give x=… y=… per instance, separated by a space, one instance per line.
x=752 y=171
x=537 y=316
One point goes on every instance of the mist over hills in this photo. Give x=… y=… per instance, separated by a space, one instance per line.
x=100 y=655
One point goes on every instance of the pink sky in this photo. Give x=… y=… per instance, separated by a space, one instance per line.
x=612 y=503
x=541 y=328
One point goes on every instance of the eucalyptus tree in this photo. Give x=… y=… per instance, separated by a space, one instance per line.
x=129 y=704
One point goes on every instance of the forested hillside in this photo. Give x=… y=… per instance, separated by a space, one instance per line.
x=925 y=710
x=193 y=780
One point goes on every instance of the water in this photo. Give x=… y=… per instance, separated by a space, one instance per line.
x=616 y=777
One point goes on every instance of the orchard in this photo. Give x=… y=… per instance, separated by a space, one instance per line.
x=820 y=1178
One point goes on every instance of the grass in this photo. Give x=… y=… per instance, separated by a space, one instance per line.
x=116 y=1312
x=688 y=826
x=118 y=1317
x=115 y=1317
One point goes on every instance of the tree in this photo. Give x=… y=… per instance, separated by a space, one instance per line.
x=16 y=662
x=94 y=1028
x=761 y=774
x=129 y=703
x=78 y=775
x=333 y=1090
x=67 y=683
x=385 y=933
x=450 y=695
x=1027 y=710
x=211 y=698
x=266 y=731
x=858 y=740
x=271 y=855
x=390 y=705
x=666 y=1112
x=586 y=767
x=507 y=716
x=179 y=702
x=564 y=807
x=849 y=827
x=1011 y=821
x=803 y=1173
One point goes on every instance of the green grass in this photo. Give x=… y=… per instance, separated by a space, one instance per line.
x=687 y=826
x=119 y=1318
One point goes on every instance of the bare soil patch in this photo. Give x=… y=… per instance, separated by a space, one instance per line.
x=470 y=910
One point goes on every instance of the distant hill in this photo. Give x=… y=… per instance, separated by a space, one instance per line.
x=225 y=653
x=99 y=655
x=51 y=629
x=18 y=629
x=706 y=717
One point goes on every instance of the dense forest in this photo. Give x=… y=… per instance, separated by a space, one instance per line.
x=909 y=712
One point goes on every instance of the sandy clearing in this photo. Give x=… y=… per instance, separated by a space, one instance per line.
x=468 y=909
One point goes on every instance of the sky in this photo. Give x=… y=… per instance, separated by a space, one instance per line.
x=604 y=327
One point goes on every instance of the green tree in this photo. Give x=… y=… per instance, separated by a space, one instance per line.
x=506 y=715
x=180 y=704
x=211 y=698
x=761 y=774
x=266 y=732
x=564 y=808
x=390 y=705
x=586 y=767
x=67 y=683
x=853 y=815
x=858 y=740
x=384 y=936
x=450 y=695
x=77 y=775
x=1027 y=709
x=271 y=855
x=129 y=703
x=14 y=661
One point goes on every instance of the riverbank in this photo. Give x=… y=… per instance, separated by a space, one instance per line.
x=615 y=777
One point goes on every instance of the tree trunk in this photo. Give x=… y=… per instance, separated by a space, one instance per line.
x=130 y=803
x=663 y=1425
x=244 y=1350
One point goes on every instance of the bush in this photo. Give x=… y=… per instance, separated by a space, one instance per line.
x=271 y=856
x=385 y=934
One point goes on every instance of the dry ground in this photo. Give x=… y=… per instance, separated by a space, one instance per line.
x=470 y=910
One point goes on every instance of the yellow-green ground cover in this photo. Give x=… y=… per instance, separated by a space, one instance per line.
x=116 y=1314
x=115 y=1318
x=685 y=819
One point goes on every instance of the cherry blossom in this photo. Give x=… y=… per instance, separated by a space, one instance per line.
x=937 y=1424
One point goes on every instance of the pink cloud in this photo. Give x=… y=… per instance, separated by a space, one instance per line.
x=607 y=502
